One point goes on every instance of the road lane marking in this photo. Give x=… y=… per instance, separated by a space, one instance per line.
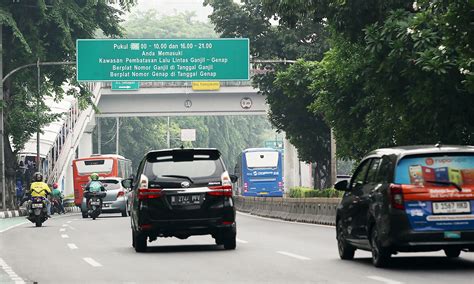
x=69 y=222
x=300 y=257
x=241 y=241
x=92 y=262
x=64 y=236
x=72 y=246
x=65 y=225
x=284 y=221
x=14 y=226
x=62 y=230
x=384 y=280
x=13 y=276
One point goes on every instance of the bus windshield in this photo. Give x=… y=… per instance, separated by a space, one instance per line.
x=262 y=159
x=100 y=166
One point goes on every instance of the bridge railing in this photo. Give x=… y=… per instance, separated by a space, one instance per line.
x=68 y=138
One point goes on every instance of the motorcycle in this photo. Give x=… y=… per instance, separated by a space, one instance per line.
x=55 y=208
x=94 y=205
x=37 y=211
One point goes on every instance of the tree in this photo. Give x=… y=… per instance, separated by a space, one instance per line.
x=46 y=31
x=286 y=88
x=138 y=135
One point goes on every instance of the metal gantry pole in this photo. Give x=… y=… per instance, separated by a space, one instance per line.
x=168 y=138
x=38 y=130
x=2 y=156
x=99 y=137
x=117 y=136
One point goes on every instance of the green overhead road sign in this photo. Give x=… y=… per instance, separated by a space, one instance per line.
x=162 y=59
x=125 y=86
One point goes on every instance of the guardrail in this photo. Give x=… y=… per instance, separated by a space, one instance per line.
x=307 y=210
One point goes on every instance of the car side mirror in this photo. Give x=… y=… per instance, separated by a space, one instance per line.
x=127 y=183
x=342 y=185
x=233 y=178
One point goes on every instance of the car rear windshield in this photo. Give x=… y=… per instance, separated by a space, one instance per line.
x=110 y=184
x=457 y=168
x=191 y=164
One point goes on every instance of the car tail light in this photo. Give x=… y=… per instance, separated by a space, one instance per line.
x=396 y=196
x=149 y=193
x=222 y=190
x=145 y=226
x=120 y=193
x=246 y=187
x=227 y=222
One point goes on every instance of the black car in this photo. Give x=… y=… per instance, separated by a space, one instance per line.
x=179 y=193
x=408 y=199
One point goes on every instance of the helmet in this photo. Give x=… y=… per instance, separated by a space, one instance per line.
x=55 y=185
x=38 y=176
x=94 y=176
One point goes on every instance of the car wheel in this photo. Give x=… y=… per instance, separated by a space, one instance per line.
x=85 y=215
x=124 y=213
x=346 y=251
x=380 y=255
x=133 y=240
x=230 y=242
x=452 y=253
x=139 y=239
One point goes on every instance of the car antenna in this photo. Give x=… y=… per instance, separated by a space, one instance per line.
x=182 y=147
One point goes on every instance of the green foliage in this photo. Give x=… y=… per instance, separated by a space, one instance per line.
x=304 y=192
x=287 y=88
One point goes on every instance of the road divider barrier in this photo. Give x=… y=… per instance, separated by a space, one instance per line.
x=307 y=210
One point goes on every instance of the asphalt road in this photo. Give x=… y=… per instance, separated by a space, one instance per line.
x=70 y=249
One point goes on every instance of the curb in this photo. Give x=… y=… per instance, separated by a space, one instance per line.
x=22 y=212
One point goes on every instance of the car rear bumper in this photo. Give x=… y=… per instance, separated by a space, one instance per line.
x=114 y=206
x=403 y=238
x=187 y=227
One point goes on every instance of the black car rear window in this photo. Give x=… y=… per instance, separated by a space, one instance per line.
x=191 y=164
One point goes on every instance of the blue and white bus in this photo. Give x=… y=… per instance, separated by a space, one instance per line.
x=260 y=172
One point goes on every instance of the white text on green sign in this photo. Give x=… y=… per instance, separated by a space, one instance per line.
x=162 y=59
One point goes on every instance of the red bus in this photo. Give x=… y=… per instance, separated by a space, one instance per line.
x=104 y=165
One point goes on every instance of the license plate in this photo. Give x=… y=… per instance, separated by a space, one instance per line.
x=263 y=193
x=451 y=207
x=186 y=199
x=37 y=205
x=95 y=202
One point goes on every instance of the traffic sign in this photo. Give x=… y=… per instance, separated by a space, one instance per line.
x=162 y=59
x=275 y=144
x=125 y=86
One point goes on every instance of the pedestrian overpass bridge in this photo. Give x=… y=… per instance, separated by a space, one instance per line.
x=152 y=99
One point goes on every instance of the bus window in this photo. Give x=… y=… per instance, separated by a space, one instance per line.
x=262 y=159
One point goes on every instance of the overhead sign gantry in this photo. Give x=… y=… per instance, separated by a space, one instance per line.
x=162 y=59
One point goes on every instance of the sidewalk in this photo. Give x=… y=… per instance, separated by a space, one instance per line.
x=22 y=212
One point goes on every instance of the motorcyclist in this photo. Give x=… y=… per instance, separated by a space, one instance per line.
x=93 y=186
x=40 y=189
x=56 y=194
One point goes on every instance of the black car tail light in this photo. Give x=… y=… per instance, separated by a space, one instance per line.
x=396 y=196
x=222 y=190
x=149 y=193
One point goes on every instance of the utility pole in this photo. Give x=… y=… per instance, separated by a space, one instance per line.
x=168 y=138
x=2 y=156
x=99 y=137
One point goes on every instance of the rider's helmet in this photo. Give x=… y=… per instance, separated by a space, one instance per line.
x=55 y=185
x=38 y=176
x=94 y=176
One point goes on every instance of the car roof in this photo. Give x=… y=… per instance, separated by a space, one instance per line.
x=260 y=150
x=402 y=151
x=183 y=149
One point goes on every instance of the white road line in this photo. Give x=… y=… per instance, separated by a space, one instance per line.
x=241 y=241
x=64 y=236
x=300 y=257
x=13 y=276
x=62 y=230
x=384 y=280
x=92 y=262
x=14 y=226
x=284 y=221
x=69 y=222
x=72 y=246
x=65 y=225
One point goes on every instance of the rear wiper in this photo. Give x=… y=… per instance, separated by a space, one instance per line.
x=178 y=176
x=446 y=183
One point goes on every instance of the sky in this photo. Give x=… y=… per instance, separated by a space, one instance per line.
x=175 y=6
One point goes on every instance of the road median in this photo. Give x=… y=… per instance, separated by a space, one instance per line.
x=307 y=210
